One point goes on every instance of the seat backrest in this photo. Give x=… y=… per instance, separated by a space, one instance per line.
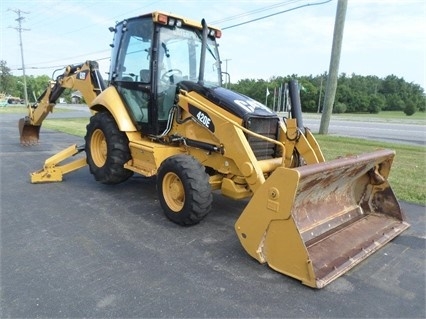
x=145 y=76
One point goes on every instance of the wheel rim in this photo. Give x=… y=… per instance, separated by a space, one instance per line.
x=98 y=148
x=173 y=192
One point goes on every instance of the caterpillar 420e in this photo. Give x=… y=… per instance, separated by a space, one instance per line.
x=164 y=112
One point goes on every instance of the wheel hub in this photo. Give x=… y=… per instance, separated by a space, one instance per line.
x=174 y=193
x=99 y=148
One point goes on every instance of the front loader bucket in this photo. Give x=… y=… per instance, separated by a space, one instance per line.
x=316 y=222
x=29 y=134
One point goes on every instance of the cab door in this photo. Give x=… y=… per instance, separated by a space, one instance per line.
x=132 y=74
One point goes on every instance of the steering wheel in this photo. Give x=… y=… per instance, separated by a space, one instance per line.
x=166 y=78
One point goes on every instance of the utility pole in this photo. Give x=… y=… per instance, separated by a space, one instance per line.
x=20 y=29
x=330 y=90
x=226 y=72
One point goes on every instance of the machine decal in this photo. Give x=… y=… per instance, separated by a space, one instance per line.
x=202 y=117
x=82 y=75
x=233 y=102
x=251 y=105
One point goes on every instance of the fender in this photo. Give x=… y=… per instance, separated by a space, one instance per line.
x=110 y=99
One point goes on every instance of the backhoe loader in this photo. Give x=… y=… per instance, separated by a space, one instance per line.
x=165 y=113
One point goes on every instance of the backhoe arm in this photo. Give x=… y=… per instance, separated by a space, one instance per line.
x=84 y=77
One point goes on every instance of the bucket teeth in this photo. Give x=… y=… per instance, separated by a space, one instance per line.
x=29 y=141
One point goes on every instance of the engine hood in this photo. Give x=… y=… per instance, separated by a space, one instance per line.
x=233 y=102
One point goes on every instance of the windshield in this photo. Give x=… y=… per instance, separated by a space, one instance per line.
x=180 y=52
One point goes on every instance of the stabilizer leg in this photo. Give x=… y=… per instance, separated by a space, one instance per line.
x=52 y=172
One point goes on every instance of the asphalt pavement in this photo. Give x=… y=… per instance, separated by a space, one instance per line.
x=80 y=249
x=404 y=131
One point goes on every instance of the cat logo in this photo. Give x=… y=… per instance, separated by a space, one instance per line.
x=201 y=117
x=82 y=75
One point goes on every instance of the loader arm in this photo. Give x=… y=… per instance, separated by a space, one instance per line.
x=236 y=147
x=84 y=77
x=312 y=220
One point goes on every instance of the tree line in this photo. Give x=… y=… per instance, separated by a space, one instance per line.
x=355 y=93
x=14 y=85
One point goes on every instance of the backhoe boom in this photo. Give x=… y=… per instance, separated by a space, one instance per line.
x=84 y=77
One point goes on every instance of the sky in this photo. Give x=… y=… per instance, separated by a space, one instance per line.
x=381 y=37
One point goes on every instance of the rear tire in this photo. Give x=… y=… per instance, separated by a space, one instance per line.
x=184 y=190
x=107 y=149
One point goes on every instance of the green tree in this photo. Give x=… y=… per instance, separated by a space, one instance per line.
x=410 y=109
x=400 y=94
x=37 y=85
x=377 y=102
x=355 y=93
x=344 y=94
x=309 y=94
x=256 y=89
x=339 y=108
x=6 y=78
x=394 y=102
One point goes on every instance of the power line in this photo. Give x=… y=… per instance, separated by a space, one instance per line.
x=87 y=5
x=262 y=9
x=44 y=22
x=276 y=13
x=258 y=10
x=49 y=17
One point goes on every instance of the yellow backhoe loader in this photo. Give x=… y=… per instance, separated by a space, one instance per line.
x=165 y=113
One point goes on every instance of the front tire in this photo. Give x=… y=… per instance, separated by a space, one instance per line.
x=107 y=149
x=184 y=190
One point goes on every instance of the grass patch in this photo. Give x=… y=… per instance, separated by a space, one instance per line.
x=14 y=110
x=20 y=109
x=407 y=177
x=74 y=126
x=399 y=115
x=385 y=116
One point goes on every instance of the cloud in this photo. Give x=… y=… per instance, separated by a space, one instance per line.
x=380 y=37
x=382 y=26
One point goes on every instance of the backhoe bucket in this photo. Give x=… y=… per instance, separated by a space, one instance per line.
x=29 y=134
x=316 y=222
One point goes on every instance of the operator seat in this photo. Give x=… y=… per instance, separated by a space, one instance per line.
x=136 y=99
x=145 y=76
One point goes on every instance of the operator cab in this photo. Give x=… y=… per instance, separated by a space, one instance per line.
x=151 y=55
